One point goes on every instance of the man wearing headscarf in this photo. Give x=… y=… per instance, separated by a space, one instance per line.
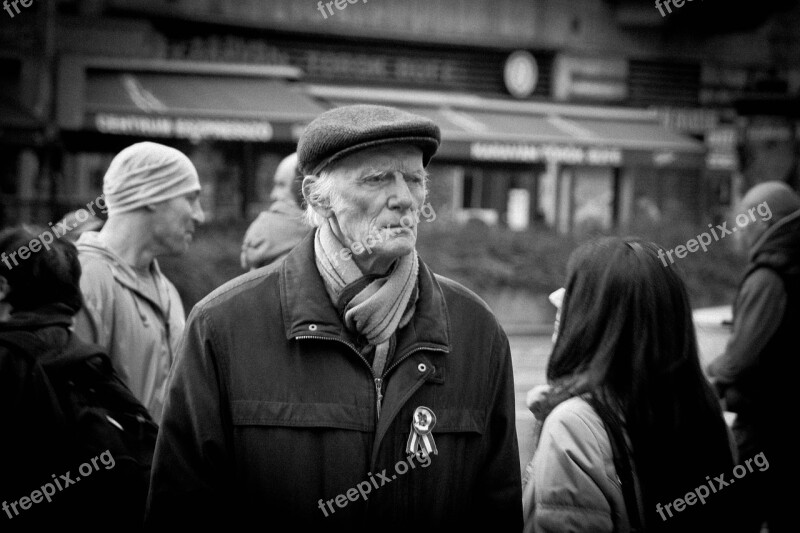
x=131 y=309
x=757 y=373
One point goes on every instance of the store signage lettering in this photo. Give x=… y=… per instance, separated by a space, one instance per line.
x=689 y=120
x=532 y=153
x=378 y=67
x=316 y=63
x=590 y=78
x=186 y=128
x=228 y=49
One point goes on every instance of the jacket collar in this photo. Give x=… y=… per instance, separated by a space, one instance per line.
x=308 y=311
x=89 y=243
x=50 y=315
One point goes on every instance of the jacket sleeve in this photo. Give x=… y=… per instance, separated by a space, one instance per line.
x=570 y=478
x=93 y=322
x=760 y=306
x=190 y=481
x=501 y=479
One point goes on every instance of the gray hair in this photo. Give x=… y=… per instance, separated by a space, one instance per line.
x=323 y=191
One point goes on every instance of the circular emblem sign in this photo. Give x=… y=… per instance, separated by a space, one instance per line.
x=424 y=419
x=521 y=74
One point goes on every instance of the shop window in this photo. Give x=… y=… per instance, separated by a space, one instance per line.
x=594 y=199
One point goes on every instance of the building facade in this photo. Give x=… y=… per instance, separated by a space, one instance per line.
x=574 y=115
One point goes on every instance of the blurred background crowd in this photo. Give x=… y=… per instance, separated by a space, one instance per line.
x=561 y=120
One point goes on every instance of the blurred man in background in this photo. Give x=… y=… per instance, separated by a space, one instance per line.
x=758 y=371
x=132 y=310
x=277 y=230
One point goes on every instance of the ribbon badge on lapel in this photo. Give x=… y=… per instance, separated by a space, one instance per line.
x=420 y=441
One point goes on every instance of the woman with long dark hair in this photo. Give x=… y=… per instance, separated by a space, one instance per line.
x=630 y=421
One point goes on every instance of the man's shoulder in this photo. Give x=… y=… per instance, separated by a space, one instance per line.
x=241 y=292
x=465 y=298
x=96 y=270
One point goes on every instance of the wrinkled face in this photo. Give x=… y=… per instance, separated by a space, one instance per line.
x=174 y=222
x=375 y=203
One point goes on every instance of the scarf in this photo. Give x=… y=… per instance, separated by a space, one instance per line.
x=374 y=306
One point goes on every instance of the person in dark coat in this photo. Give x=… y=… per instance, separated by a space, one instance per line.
x=756 y=375
x=347 y=387
x=42 y=447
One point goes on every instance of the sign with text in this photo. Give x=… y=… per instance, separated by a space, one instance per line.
x=532 y=153
x=598 y=79
x=185 y=128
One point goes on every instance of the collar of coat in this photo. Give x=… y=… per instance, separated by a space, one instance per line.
x=308 y=311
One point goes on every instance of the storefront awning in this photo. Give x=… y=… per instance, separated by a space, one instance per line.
x=516 y=133
x=189 y=105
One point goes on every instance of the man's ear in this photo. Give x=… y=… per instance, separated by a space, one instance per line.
x=321 y=206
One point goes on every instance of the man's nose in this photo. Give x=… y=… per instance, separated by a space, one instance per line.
x=197 y=213
x=400 y=196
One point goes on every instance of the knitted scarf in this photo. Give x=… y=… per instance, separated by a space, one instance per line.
x=373 y=306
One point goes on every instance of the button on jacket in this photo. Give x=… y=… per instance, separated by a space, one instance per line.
x=272 y=411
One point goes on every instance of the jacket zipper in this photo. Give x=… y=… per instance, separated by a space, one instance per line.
x=378 y=381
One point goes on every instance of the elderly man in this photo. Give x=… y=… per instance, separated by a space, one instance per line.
x=132 y=310
x=277 y=230
x=338 y=391
x=758 y=371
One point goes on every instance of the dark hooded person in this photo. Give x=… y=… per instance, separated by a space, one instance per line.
x=755 y=376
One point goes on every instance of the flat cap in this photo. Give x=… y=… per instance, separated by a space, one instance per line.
x=344 y=130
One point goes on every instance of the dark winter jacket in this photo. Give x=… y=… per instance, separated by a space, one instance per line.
x=757 y=375
x=760 y=363
x=272 y=412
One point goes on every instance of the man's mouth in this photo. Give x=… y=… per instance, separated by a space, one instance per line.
x=396 y=228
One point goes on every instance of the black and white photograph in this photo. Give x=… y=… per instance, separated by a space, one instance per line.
x=399 y=265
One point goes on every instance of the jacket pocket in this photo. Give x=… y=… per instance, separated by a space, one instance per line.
x=302 y=415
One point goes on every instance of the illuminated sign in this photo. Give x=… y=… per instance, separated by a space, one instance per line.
x=582 y=78
x=521 y=73
x=532 y=153
x=185 y=128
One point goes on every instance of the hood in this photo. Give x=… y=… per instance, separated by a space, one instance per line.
x=779 y=247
